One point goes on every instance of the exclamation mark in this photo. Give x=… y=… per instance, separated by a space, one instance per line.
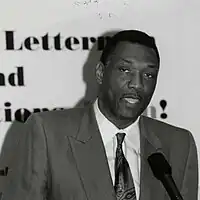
x=163 y=105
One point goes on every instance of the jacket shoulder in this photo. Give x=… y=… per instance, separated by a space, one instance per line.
x=58 y=120
x=168 y=131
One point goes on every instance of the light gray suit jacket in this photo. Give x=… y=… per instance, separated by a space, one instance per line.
x=61 y=156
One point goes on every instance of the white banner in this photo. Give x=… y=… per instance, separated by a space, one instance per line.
x=48 y=51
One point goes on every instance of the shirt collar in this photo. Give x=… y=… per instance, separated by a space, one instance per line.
x=108 y=129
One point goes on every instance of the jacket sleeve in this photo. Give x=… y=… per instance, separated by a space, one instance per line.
x=189 y=189
x=28 y=178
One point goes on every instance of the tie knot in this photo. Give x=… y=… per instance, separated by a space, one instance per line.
x=120 y=138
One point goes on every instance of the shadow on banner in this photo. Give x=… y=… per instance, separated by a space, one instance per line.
x=89 y=71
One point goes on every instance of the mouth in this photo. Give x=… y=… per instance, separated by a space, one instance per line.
x=131 y=99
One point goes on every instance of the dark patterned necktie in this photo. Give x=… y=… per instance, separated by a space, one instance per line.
x=124 y=185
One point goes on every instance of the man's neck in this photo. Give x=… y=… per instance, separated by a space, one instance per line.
x=118 y=122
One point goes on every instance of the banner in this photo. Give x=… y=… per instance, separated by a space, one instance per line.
x=48 y=55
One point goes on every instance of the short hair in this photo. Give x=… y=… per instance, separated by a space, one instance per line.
x=133 y=36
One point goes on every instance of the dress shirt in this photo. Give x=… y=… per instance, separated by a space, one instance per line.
x=131 y=145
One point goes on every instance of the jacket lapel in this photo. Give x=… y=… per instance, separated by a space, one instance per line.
x=150 y=187
x=90 y=156
x=92 y=164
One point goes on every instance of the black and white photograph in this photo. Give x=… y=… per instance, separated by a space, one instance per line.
x=99 y=100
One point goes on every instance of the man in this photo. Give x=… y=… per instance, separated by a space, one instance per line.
x=100 y=152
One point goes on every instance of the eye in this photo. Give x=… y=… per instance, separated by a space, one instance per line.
x=123 y=69
x=149 y=75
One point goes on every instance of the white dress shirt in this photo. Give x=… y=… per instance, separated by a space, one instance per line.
x=131 y=145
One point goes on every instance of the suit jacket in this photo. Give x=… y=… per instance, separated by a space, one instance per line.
x=61 y=156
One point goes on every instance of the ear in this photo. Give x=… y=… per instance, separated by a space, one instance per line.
x=99 y=72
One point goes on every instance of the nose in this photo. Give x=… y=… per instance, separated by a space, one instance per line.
x=135 y=81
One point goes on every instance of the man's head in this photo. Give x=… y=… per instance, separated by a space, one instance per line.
x=127 y=74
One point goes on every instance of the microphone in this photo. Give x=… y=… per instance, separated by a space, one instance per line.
x=163 y=172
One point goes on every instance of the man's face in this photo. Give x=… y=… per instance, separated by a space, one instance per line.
x=128 y=80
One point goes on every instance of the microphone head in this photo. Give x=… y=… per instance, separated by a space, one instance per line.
x=159 y=165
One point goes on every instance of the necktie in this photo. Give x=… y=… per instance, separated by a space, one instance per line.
x=124 y=185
